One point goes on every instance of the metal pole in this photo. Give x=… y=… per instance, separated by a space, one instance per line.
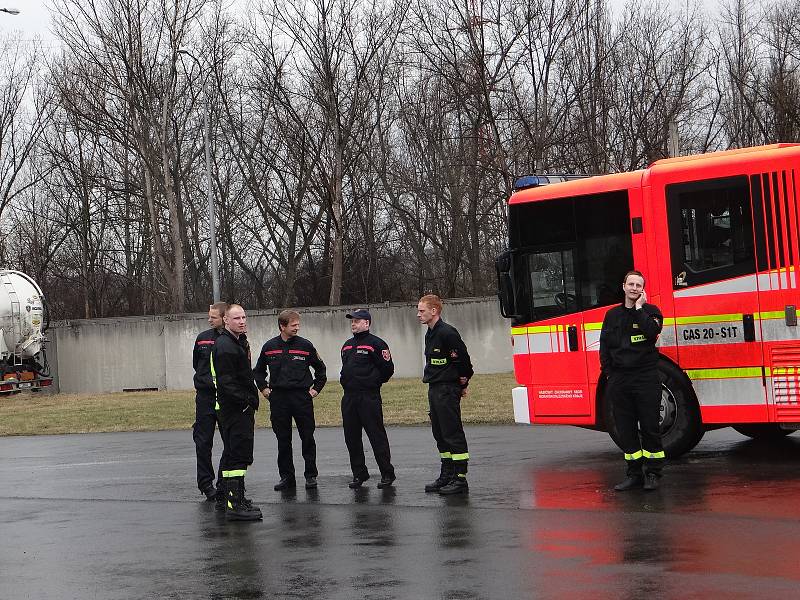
x=212 y=227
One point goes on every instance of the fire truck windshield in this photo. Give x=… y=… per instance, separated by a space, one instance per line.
x=568 y=254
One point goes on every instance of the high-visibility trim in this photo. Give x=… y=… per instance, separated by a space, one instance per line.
x=635 y=339
x=365 y=348
x=727 y=373
x=271 y=352
x=659 y=454
x=438 y=361
x=205 y=343
x=699 y=319
x=445 y=455
x=519 y=330
x=213 y=370
x=592 y=326
x=463 y=456
x=635 y=456
x=300 y=352
x=775 y=314
x=216 y=405
x=542 y=329
x=235 y=473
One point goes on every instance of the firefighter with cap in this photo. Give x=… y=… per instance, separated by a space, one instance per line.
x=237 y=402
x=447 y=372
x=205 y=398
x=366 y=366
x=629 y=358
x=291 y=389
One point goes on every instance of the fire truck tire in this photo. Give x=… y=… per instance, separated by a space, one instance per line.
x=762 y=431
x=681 y=425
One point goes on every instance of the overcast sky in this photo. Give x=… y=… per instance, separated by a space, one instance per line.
x=34 y=18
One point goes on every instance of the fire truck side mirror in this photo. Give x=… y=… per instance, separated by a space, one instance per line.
x=505 y=285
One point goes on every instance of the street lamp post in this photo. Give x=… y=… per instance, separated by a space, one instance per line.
x=212 y=227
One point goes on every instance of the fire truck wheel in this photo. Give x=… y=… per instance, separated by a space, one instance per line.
x=762 y=431
x=681 y=426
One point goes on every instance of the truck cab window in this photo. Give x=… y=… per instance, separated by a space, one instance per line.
x=711 y=231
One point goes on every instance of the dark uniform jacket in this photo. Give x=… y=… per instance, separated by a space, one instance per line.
x=289 y=365
x=201 y=360
x=628 y=338
x=446 y=356
x=366 y=363
x=233 y=372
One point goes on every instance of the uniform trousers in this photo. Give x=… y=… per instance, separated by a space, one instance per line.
x=362 y=410
x=636 y=397
x=444 y=401
x=297 y=404
x=205 y=421
x=237 y=430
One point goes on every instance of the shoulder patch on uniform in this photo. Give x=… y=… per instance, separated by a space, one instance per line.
x=386 y=355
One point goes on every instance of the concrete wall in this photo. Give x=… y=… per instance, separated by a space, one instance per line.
x=105 y=355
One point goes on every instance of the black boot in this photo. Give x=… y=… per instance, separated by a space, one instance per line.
x=458 y=483
x=629 y=483
x=219 y=499
x=445 y=475
x=650 y=482
x=237 y=507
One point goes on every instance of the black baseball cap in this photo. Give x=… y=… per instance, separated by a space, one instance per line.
x=359 y=313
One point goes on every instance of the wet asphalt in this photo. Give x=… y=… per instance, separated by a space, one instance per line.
x=118 y=516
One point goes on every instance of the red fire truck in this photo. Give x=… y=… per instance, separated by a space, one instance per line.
x=716 y=236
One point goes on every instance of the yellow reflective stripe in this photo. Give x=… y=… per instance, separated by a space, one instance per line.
x=235 y=473
x=213 y=371
x=635 y=456
x=764 y=316
x=637 y=338
x=724 y=373
x=464 y=456
x=659 y=454
x=519 y=330
x=697 y=319
x=438 y=361
x=541 y=329
x=216 y=405
x=445 y=455
x=592 y=326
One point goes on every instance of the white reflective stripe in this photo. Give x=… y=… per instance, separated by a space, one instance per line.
x=777 y=280
x=666 y=338
x=775 y=330
x=738 y=285
x=540 y=343
x=592 y=340
x=713 y=332
x=740 y=391
x=520 y=344
x=522 y=413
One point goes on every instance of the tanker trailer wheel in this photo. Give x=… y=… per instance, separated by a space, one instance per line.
x=681 y=427
x=762 y=431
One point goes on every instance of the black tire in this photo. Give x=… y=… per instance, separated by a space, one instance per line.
x=681 y=425
x=762 y=431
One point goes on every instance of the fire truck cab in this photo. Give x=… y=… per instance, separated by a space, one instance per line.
x=716 y=237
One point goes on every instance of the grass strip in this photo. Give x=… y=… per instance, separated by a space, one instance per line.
x=404 y=403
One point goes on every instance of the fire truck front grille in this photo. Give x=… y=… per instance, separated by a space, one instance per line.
x=786 y=382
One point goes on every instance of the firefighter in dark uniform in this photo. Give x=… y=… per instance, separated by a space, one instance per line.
x=366 y=366
x=290 y=390
x=447 y=372
x=237 y=401
x=628 y=356
x=205 y=420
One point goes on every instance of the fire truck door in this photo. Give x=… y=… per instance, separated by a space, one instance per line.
x=557 y=350
x=775 y=209
x=717 y=333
